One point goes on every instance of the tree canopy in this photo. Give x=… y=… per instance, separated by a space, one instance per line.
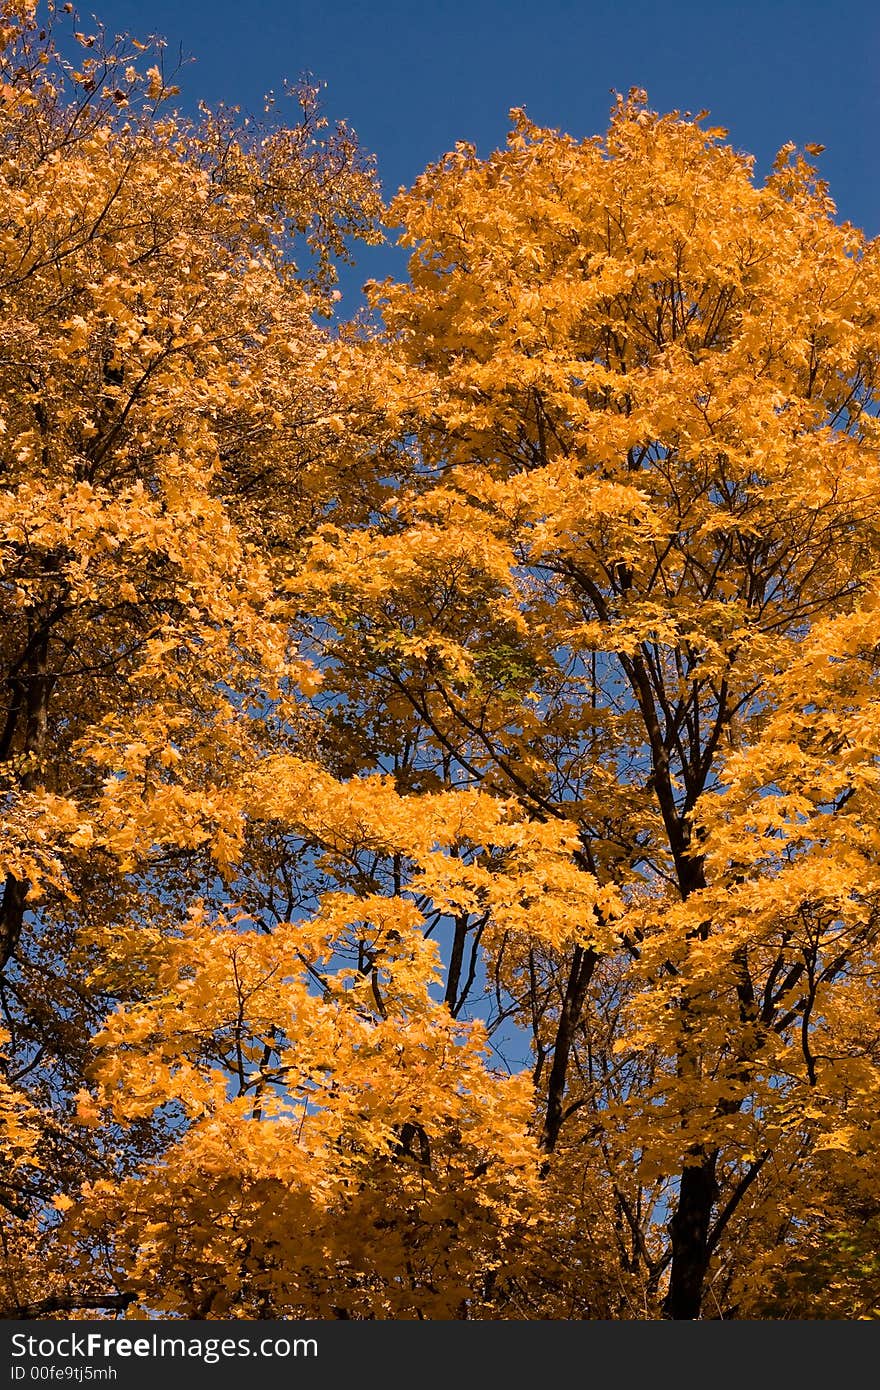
x=440 y=754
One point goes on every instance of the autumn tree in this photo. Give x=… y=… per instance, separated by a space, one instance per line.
x=628 y=577
x=154 y=323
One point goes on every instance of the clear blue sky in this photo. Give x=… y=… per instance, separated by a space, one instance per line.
x=413 y=77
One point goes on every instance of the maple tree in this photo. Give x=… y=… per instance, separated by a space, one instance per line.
x=627 y=577
x=439 y=759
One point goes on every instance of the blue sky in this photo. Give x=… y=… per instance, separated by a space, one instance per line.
x=414 y=76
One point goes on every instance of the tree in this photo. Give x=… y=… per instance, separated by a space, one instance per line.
x=628 y=577
x=154 y=329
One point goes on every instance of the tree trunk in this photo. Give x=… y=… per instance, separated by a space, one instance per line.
x=689 y=1229
x=583 y=963
x=37 y=685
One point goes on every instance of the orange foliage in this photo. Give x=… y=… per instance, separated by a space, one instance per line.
x=499 y=681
